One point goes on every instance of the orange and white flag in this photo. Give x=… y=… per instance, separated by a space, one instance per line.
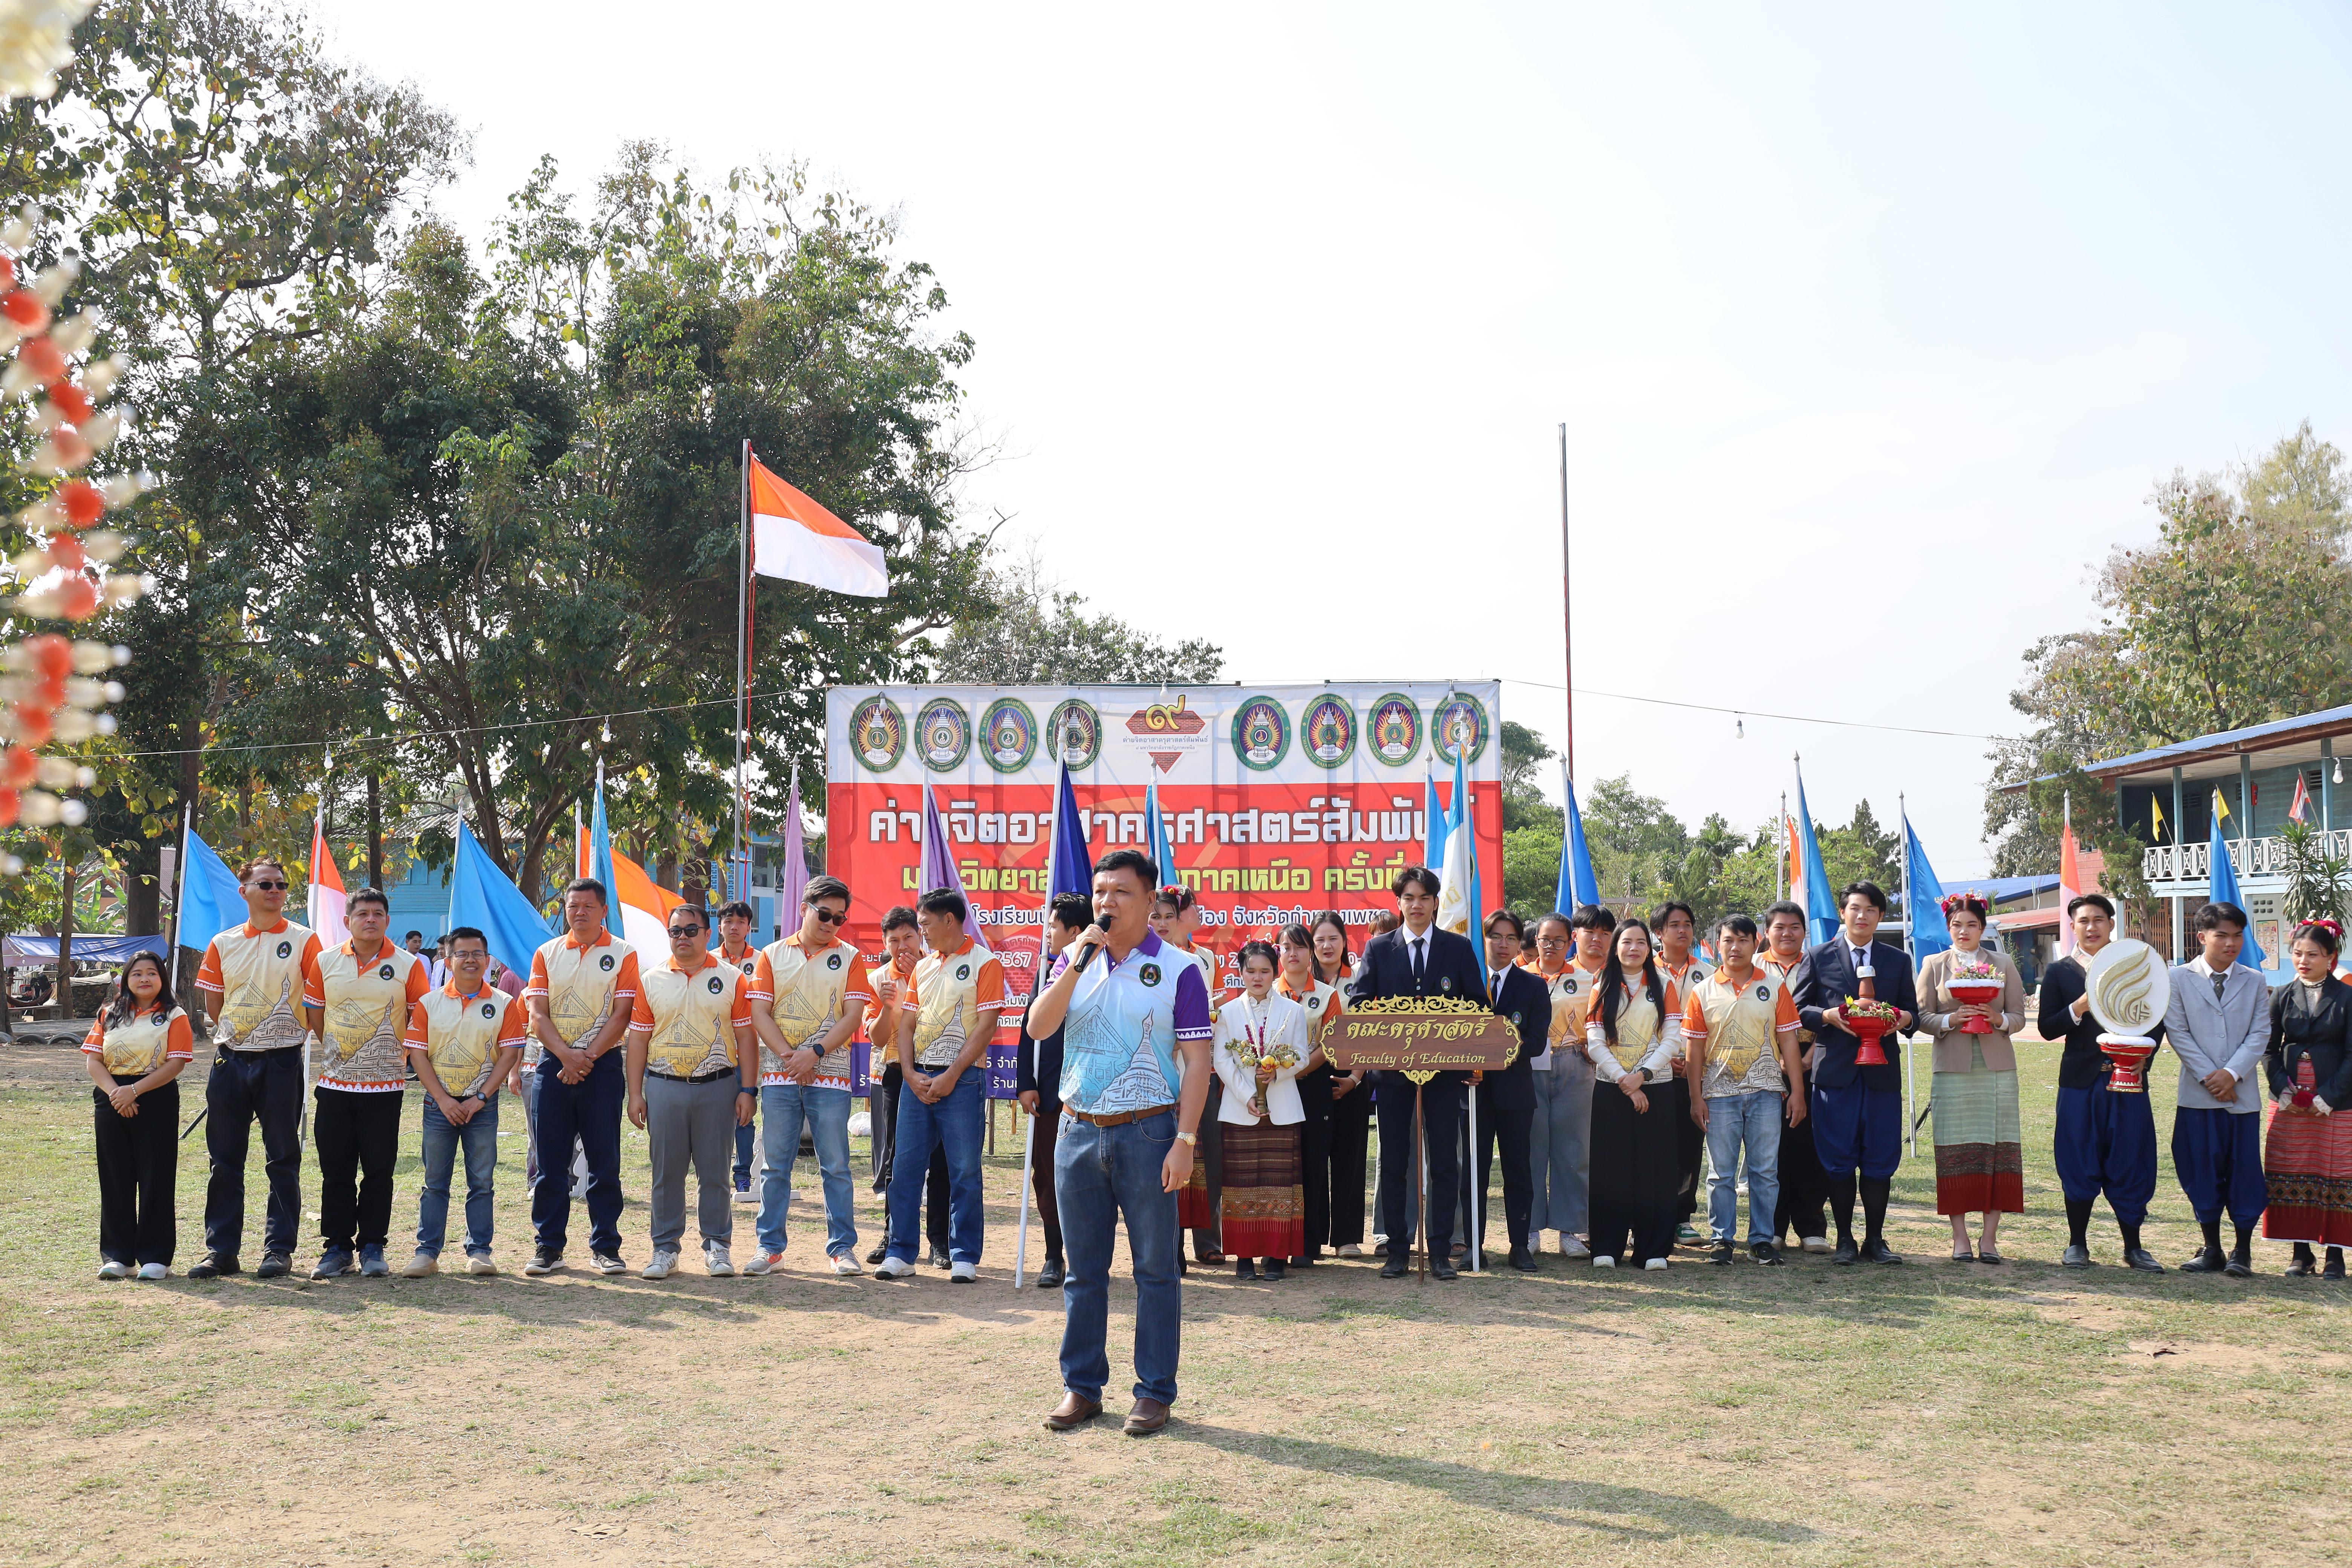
x=327 y=899
x=645 y=904
x=794 y=538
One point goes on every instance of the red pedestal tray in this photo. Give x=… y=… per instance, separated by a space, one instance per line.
x=2130 y=1054
x=1976 y=992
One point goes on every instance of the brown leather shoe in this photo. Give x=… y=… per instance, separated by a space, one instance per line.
x=1074 y=1411
x=1148 y=1416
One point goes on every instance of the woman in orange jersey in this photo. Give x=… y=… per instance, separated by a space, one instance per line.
x=135 y=1054
x=1351 y=1132
x=1302 y=980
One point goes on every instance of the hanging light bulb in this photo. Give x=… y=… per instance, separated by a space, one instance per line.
x=2339 y=771
x=1739 y=728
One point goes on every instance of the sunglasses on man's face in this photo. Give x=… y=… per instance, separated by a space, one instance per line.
x=267 y=886
x=686 y=931
x=830 y=917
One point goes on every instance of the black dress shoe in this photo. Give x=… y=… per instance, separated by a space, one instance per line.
x=1443 y=1270
x=1875 y=1250
x=213 y=1265
x=1523 y=1260
x=1271 y=1270
x=1050 y=1276
x=2141 y=1259
x=1847 y=1252
x=1306 y=1261
x=2334 y=1268
x=2303 y=1268
x=1396 y=1268
x=274 y=1266
x=2240 y=1267
x=2207 y=1260
x=1244 y=1269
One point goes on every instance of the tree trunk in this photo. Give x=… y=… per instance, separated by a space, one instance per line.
x=67 y=876
x=375 y=834
x=142 y=891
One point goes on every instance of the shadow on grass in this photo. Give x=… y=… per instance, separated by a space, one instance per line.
x=1566 y=1505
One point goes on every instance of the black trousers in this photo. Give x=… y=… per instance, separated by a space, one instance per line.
x=1633 y=1168
x=934 y=1180
x=1350 y=1135
x=1440 y=1119
x=1315 y=1155
x=1208 y=1239
x=1804 y=1186
x=1690 y=1152
x=1041 y=1172
x=247 y=1087
x=137 y=1169
x=1511 y=1126
x=358 y=1137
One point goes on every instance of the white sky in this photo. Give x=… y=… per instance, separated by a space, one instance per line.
x=1872 y=326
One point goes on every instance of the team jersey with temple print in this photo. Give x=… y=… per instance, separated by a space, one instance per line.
x=1741 y=1026
x=258 y=974
x=583 y=985
x=366 y=1003
x=947 y=995
x=461 y=1035
x=804 y=989
x=1323 y=1004
x=1572 y=991
x=141 y=1043
x=689 y=1019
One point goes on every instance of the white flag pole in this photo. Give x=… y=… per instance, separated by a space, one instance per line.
x=1475 y=1182
x=1910 y=924
x=1028 y=1151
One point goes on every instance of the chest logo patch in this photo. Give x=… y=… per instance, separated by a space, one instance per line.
x=284 y=950
x=1148 y=974
x=605 y=963
x=488 y=1011
x=1763 y=993
x=1446 y=982
x=383 y=973
x=832 y=962
x=715 y=983
x=963 y=972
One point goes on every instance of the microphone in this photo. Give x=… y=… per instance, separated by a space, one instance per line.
x=1089 y=955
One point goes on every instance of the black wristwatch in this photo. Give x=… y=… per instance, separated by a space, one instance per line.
x=747 y=1089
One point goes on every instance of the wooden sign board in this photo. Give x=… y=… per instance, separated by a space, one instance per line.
x=1420 y=1038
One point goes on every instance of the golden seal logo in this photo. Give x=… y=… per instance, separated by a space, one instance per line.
x=1261 y=733
x=1393 y=729
x=878 y=734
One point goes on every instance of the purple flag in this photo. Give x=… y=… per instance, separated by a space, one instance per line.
x=793 y=876
x=938 y=867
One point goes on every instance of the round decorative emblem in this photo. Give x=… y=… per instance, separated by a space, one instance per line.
x=943 y=733
x=1459 y=718
x=963 y=972
x=1148 y=974
x=1763 y=993
x=1568 y=985
x=284 y=950
x=716 y=985
x=878 y=734
x=605 y=963
x=1327 y=731
x=384 y=973
x=1261 y=733
x=489 y=1010
x=1074 y=734
x=1393 y=729
x=1008 y=735
x=1446 y=982
x=833 y=961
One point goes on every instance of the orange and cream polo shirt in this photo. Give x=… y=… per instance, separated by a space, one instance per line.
x=1323 y=1003
x=1740 y=1027
x=583 y=985
x=366 y=1003
x=461 y=1034
x=947 y=995
x=804 y=989
x=689 y=1017
x=141 y=1043
x=1573 y=991
x=258 y=975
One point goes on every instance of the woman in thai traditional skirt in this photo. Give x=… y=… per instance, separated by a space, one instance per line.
x=1979 y=1156
x=1636 y=1167
x=1261 y=1046
x=2307 y=1157
x=1303 y=981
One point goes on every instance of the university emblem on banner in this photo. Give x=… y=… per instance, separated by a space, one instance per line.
x=1261 y=733
x=1074 y=734
x=942 y=735
x=1327 y=731
x=1459 y=723
x=878 y=734
x=1008 y=732
x=1393 y=729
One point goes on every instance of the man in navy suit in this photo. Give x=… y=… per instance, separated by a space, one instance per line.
x=1506 y=1099
x=1419 y=960
x=1857 y=1110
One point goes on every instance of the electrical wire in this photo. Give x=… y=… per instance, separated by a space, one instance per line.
x=1747 y=713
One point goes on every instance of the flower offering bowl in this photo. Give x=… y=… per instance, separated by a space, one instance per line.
x=1975 y=992
x=2130 y=1054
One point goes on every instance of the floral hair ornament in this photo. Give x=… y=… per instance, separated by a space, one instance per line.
x=1972 y=901
x=2333 y=928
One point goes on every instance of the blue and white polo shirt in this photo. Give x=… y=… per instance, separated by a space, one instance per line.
x=1118 y=1046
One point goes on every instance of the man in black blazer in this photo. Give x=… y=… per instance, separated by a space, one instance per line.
x=1506 y=1099
x=1037 y=1077
x=1419 y=960
x=1857 y=1110
x=2104 y=1142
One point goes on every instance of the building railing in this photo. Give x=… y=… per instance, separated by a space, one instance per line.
x=2249 y=856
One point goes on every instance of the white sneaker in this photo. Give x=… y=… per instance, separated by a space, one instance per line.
x=846 y=1264
x=1818 y=1243
x=420 y=1266
x=894 y=1268
x=715 y=1261
x=663 y=1265
x=110 y=1269
x=1655 y=1263
x=1571 y=1247
x=481 y=1263
x=963 y=1273
x=1604 y=1263
x=153 y=1271
x=1350 y=1249
x=763 y=1262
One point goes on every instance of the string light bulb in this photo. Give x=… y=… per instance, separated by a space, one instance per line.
x=2339 y=771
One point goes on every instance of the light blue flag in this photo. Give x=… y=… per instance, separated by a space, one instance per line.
x=1459 y=907
x=1578 y=885
x=1155 y=837
x=1820 y=903
x=483 y=897
x=1929 y=934
x=209 y=899
x=600 y=858
x=1432 y=849
x=2225 y=889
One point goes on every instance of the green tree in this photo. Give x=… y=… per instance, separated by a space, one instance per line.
x=1636 y=844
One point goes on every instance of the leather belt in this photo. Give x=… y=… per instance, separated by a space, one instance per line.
x=1121 y=1118
x=703 y=1077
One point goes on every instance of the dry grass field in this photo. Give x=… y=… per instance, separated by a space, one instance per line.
x=1931 y=1414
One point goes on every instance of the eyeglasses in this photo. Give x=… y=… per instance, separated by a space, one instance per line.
x=830 y=917
x=268 y=886
x=686 y=931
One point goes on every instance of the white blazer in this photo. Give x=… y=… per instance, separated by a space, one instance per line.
x=1285 y=1022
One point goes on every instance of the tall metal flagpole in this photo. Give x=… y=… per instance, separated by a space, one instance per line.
x=1910 y=919
x=743 y=662
x=1567 y=616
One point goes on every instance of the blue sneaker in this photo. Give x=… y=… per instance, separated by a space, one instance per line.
x=332 y=1264
x=372 y=1263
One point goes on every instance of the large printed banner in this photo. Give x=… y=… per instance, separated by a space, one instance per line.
x=1279 y=801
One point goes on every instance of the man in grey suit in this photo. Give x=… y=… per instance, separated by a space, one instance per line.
x=2217 y=1022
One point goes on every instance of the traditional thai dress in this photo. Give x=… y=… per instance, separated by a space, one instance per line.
x=1265 y=1194
x=2307 y=1157
x=1979 y=1153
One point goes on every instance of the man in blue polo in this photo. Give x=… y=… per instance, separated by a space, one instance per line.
x=1127 y=1003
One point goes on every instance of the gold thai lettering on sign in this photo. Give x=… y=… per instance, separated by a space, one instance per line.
x=1421 y=1037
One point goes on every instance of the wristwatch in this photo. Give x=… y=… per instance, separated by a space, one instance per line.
x=1191 y=1138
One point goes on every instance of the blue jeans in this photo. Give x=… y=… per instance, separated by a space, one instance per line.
x=481 y=1137
x=953 y=1125
x=783 y=1107
x=1101 y=1175
x=1754 y=1122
